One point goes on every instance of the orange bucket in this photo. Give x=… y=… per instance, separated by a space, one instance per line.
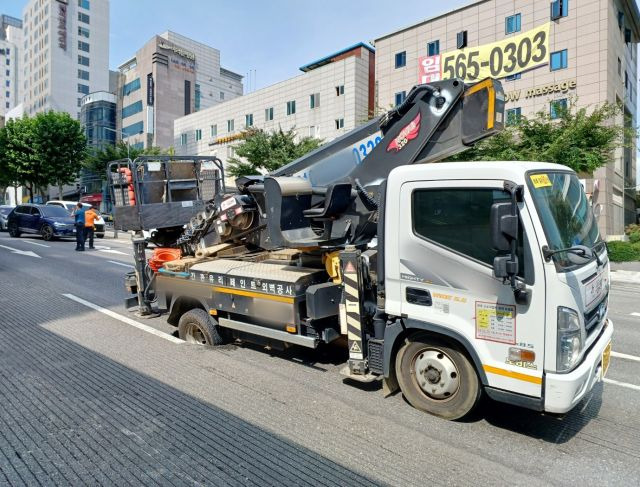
x=162 y=255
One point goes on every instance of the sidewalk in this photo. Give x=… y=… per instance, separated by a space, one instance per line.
x=625 y=272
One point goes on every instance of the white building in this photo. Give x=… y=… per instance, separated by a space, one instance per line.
x=10 y=42
x=65 y=53
x=169 y=77
x=331 y=97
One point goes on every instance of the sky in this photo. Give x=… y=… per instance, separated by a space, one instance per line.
x=271 y=37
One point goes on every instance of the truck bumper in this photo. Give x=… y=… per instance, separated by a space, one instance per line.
x=563 y=391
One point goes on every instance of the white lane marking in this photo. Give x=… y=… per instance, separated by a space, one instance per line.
x=621 y=384
x=122 y=264
x=35 y=243
x=625 y=356
x=635 y=314
x=21 y=252
x=108 y=250
x=124 y=319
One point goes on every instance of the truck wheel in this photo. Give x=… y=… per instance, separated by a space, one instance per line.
x=436 y=377
x=196 y=326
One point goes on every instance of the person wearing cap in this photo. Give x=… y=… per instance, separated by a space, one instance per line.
x=90 y=217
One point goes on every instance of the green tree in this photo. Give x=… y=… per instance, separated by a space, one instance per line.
x=98 y=161
x=263 y=152
x=19 y=154
x=580 y=138
x=60 y=147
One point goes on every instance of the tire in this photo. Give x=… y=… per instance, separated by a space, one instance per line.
x=100 y=235
x=448 y=386
x=196 y=326
x=13 y=230
x=47 y=233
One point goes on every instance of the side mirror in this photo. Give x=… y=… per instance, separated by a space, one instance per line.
x=504 y=226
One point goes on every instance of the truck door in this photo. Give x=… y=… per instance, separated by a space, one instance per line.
x=444 y=277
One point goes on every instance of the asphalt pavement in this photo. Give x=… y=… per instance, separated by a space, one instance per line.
x=89 y=396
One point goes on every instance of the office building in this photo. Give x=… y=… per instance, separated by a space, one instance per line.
x=332 y=96
x=65 y=54
x=169 y=77
x=98 y=118
x=587 y=49
x=10 y=42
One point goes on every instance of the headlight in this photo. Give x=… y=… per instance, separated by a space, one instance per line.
x=570 y=339
x=58 y=224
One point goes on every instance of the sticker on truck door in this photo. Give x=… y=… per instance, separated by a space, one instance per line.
x=496 y=322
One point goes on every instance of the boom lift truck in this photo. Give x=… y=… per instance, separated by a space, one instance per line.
x=446 y=279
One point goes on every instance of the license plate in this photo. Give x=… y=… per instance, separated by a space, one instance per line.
x=606 y=359
x=593 y=290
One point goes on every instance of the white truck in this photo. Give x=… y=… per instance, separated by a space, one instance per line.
x=443 y=280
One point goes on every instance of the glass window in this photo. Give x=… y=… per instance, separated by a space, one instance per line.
x=83 y=4
x=268 y=114
x=133 y=129
x=198 y=95
x=559 y=8
x=83 y=46
x=84 y=89
x=230 y=126
x=222 y=95
x=513 y=115
x=291 y=107
x=401 y=59
x=183 y=139
x=83 y=60
x=439 y=214
x=130 y=87
x=512 y=24
x=400 y=97
x=558 y=60
x=556 y=107
x=339 y=123
x=7 y=83
x=433 y=48
x=7 y=62
x=82 y=74
x=83 y=17
x=248 y=120
x=132 y=109
x=314 y=100
x=83 y=32
x=214 y=131
x=339 y=90
x=198 y=134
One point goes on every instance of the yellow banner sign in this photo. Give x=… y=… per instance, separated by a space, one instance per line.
x=496 y=60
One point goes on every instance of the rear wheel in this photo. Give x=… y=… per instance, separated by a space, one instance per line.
x=436 y=377
x=196 y=326
x=47 y=232
x=13 y=230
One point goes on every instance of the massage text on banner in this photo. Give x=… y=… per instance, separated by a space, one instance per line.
x=496 y=60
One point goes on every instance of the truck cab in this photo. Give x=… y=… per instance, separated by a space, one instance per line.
x=545 y=352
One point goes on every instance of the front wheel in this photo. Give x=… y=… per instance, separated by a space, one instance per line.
x=436 y=377
x=196 y=326
x=47 y=233
x=13 y=230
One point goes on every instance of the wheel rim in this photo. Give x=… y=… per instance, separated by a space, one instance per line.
x=194 y=334
x=47 y=232
x=436 y=374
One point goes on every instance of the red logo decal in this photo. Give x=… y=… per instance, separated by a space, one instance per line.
x=408 y=133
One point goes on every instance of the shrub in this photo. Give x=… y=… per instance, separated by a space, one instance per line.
x=634 y=237
x=623 y=251
x=632 y=228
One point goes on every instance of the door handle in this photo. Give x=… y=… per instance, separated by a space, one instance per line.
x=417 y=296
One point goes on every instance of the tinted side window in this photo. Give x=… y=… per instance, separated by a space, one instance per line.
x=22 y=209
x=458 y=219
x=35 y=211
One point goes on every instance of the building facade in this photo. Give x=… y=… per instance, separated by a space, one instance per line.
x=169 y=77
x=65 y=53
x=98 y=118
x=10 y=79
x=331 y=97
x=590 y=53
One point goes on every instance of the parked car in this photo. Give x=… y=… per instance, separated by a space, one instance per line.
x=4 y=212
x=71 y=205
x=48 y=221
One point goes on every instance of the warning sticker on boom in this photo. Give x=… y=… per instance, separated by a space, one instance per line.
x=496 y=322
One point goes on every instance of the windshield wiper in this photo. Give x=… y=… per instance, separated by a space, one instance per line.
x=581 y=250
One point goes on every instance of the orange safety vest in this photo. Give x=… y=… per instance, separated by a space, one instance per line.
x=90 y=216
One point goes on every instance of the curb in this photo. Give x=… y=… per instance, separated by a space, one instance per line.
x=629 y=277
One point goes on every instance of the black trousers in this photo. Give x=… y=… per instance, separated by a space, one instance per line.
x=88 y=235
x=80 y=236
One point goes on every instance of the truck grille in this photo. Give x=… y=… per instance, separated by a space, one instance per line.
x=593 y=318
x=376 y=348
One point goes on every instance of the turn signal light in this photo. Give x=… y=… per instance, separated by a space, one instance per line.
x=520 y=355
x=213 y=312
x=291 y=328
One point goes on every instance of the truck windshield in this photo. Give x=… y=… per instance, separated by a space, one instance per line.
x=565 y=212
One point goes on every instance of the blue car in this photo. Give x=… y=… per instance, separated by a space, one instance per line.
x=48 y=221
